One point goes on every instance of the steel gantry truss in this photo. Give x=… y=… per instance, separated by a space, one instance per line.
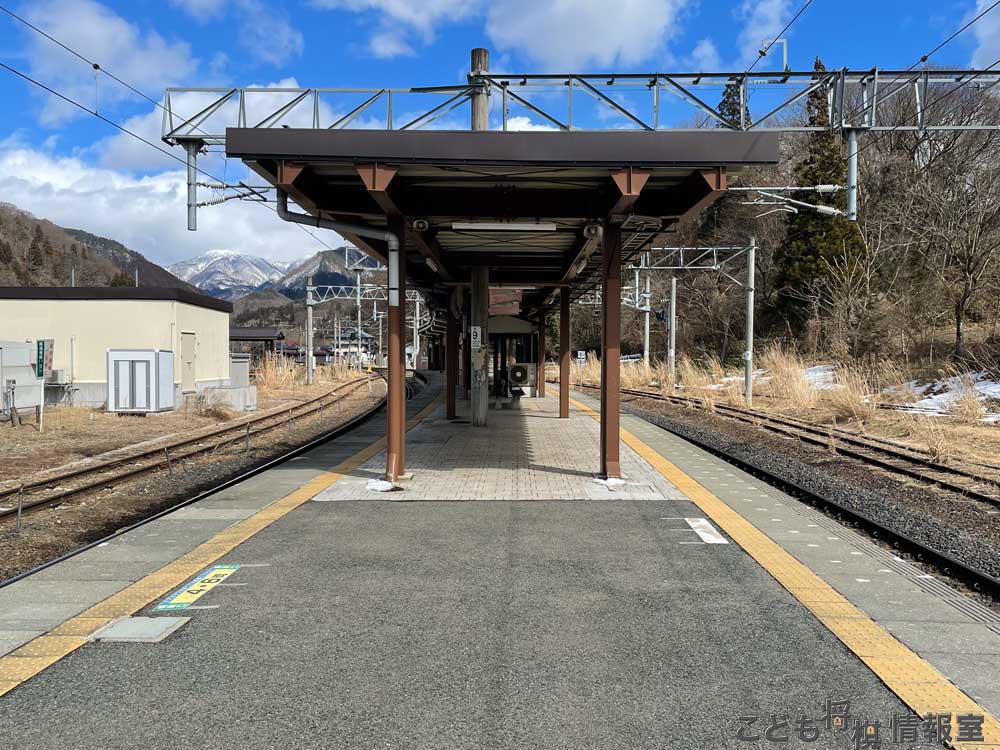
x=675 y=260
x=855 y=99
x=317 y=294
x=856 y=103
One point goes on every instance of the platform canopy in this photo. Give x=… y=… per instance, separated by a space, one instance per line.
x=528 y=205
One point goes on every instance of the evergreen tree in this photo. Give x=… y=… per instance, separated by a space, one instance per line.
x=812 y=238
x=36 y=250
x=122 y=279
x=729 y=107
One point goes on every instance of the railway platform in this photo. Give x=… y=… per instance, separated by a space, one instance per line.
x=503 y=598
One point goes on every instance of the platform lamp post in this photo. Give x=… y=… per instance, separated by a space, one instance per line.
x=647 y=299
x=672 y=334
x=309 y=330
x=358 y=287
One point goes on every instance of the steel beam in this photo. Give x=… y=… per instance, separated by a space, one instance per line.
x=611 y=256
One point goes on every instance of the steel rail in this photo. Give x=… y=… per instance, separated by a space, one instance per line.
x=907 y=461
x=163 y=456
x=326 y=437
x=976 y=579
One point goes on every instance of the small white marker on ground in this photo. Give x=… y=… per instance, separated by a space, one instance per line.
x=706 y=531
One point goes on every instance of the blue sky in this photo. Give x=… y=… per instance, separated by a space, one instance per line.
x=69 y=167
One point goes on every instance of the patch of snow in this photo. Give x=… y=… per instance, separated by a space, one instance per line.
x=940 y=395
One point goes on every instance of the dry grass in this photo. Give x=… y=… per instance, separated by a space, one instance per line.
x=338 y=372
x=215 y=410
x=929 y=433
x=854 y=400
x=786 y=378
x=695 y=380
x=637 y=374
x=277 y=373
x=966 y=406
x=589 y=372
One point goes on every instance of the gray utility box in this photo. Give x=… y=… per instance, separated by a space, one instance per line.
x=20 y=385
x=140 y=380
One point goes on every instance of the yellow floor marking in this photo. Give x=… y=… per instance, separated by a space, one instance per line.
x=916 y=682
x=28 y=660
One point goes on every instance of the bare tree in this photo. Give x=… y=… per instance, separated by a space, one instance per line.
x=959 y=209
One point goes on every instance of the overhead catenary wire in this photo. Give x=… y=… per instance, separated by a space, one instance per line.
x=926 y=56
x=884 y=134
x=123 y=129
x=99 y=68
x=763 y=52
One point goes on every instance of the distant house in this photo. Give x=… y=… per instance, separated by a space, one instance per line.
x=85 y=322
x=254 y=340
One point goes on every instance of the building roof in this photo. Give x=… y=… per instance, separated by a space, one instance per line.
x=168 y=294
x=255 y=334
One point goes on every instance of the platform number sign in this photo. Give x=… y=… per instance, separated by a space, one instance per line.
x=43 y=361
x=476 y=335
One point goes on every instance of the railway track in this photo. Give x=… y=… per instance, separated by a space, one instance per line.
x=52 y=490
x=888 y=455
x=949 y=565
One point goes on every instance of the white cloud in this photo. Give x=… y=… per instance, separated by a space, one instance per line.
x=263 y=30
x=569 y=35
x=147 y=213
x=202 y=10
x=763 y=20
x=520 y=123
x=424 y=17
x=266 y=34
x=986 y=32
x=388 y=44
x=562 y=34
x=705 y=56
x=147 y=60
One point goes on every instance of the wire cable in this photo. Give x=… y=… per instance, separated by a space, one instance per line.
x=763 y=52
x=885 y=133
x=925 y=57
x=138 y=137
x=95 y=65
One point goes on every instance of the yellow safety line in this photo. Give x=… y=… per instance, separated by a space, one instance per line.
x=25 y=662
x=917 y=683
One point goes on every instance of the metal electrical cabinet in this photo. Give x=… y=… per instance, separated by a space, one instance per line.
x=140 y=380
x=20 y=384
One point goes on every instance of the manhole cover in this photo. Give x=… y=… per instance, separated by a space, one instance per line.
x=139 y=629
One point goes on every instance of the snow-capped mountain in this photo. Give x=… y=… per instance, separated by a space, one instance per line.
x=326 y=267
x=228 y=274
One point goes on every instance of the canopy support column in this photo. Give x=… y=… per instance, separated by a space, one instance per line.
x=451 y=364
x=480 y=356
x=564 y=353
x=540 y=374
x=395 y=462
x=611 y=300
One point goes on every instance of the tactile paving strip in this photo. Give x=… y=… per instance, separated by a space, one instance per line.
x=918 y=684
x=25 y=662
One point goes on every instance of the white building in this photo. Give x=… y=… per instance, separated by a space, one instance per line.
x=85 y=322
